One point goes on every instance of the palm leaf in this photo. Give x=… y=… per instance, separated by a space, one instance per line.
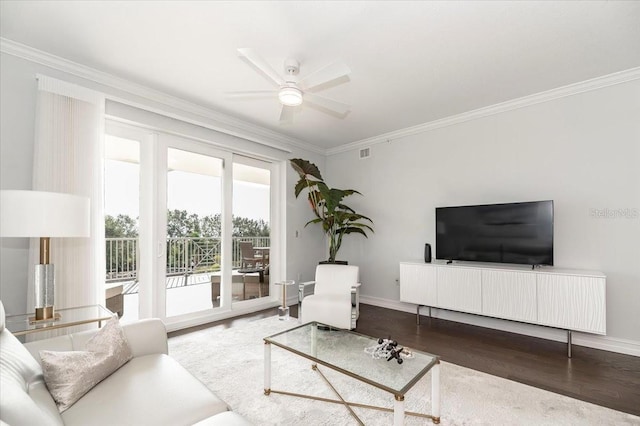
x=302 y=184
x=305 y=168
x=352 y=230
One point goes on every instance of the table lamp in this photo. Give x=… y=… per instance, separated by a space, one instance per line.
x=43 y=215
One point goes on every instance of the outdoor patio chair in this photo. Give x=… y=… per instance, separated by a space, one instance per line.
x=251 y=258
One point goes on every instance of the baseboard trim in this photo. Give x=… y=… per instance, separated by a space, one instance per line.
x=246 y=308
x=606 y=343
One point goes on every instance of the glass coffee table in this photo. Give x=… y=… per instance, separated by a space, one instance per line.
x=343 y=351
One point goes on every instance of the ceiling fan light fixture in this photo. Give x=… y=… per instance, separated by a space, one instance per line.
x=290 y=96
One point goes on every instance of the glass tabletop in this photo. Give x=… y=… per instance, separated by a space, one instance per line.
x=23 y=324
x=343 y=351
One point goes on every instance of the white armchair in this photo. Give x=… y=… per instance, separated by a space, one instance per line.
x=335 y=301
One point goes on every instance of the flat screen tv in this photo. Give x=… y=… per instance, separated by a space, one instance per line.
x=520 y=233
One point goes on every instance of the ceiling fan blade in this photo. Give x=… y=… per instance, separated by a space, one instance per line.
x=286 y=116
x=330 y=104
x=251 y=94
x=262 y=65
x=325 y=75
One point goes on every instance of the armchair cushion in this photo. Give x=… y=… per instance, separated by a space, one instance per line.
x=335 y=279
x=332 y=310
x=71 y=374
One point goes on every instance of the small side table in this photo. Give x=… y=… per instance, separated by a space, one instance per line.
x=283 y=311
x=20 y=324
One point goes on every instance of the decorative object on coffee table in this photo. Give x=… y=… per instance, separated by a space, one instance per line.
x=388 y=349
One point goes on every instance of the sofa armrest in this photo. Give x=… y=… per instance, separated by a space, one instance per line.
x=147 y=336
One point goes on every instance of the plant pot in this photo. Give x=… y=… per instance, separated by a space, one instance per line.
x=335 y=262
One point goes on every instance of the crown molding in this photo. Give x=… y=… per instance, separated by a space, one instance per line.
x=209 y=118
x=549 y=95
x=230 y=125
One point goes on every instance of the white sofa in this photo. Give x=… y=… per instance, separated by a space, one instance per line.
x=150 y=389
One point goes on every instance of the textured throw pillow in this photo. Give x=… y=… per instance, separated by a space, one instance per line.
x=69 y=375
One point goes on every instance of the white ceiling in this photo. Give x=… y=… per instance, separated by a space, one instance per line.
x=411 y=62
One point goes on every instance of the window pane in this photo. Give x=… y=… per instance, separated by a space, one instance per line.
x=194 y=207
x=122 y=207
x=251 y=230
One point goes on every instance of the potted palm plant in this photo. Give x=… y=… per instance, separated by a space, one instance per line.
x=337 y=219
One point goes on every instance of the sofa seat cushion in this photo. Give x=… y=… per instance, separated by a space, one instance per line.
x=228 y=418
x=151 y=389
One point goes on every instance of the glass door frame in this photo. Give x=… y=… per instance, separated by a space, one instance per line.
x=164 y=143
x=145 y=274
x=152 y=226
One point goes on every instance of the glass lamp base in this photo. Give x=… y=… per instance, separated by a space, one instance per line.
x=283 y=313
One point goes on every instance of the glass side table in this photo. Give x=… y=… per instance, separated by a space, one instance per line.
x=20 y=324
x=283 y=311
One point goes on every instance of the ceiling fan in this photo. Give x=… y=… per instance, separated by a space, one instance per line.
x=293 y=91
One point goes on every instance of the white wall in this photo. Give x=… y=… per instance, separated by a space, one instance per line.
x=17 y=107
x=582 y=151
x=17 y=102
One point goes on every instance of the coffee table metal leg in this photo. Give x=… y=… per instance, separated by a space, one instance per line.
x=314 y=340
x=398 y=411
x=435 y=392
x=267 y=368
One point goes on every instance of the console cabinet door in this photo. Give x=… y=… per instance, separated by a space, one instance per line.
x=459 y=289
x=510 y=295
x=418 y=284
x=572 y=302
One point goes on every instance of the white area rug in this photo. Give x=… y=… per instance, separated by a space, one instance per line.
x=230 y=362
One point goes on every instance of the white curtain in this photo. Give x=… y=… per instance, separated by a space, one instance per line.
x=68 y=156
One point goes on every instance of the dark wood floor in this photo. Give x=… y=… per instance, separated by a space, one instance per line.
x=600 y=377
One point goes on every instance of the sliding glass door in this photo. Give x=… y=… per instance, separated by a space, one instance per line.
x=194 y=230
x=189 y=226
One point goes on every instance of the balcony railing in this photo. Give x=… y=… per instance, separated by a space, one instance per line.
x=185 y=255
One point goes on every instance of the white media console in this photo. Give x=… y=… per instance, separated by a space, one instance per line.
x=572 y=300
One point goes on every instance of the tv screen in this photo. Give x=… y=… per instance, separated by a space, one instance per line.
x=519 y=233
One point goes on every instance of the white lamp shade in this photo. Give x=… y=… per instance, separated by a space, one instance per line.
x=43 y=214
